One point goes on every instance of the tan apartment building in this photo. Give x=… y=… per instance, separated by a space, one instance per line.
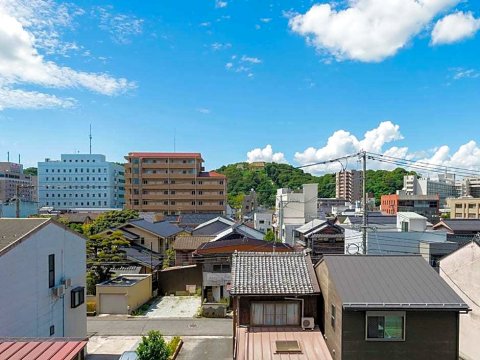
x=349 y=185
x=173 y=183
x=464 y=208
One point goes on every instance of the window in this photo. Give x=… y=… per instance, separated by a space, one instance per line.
x=51 y=270
x=333 y=315
x=77 y=296
x=275 y=314
x=404 y=226
x=385 y=326
x=52 y=330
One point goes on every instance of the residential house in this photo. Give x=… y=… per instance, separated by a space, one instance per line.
x=275 y=298
x=321 y=237
x=43 y=266
x=237 y=231
x=213 y=226
x=185 y=245
x=388 y=307
x=461 y=231
x=461 y=270
x=262 y=220
x=216 y=258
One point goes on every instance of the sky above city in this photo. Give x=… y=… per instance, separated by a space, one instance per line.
x=241 y=80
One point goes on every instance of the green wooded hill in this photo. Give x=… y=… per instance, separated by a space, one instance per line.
x=243 y=177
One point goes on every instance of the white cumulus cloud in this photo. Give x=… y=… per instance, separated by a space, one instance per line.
x=19 y=99
x=366 y=30
x=21 y=62
x=266 y=154
x=455 y=27
x=220 y=4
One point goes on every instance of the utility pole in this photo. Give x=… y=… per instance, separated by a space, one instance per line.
x=364 y=185
x=17 y=198
x=280 y=220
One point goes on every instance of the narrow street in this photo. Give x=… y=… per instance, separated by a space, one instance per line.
x=124 y=326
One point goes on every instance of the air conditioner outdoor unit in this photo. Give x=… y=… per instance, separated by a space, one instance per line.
x=58 y=291
x=67 y=282
x=308 y=323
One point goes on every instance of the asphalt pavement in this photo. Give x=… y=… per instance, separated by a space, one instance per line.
x=125 y=326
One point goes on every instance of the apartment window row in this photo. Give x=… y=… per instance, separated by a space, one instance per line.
x=76 y=179
x=166 y=202
x=164 y=161
x=87 y=170
x=81 y=160
x=77 y=195
x=76 y=203
x=136 y=181
x=70 y=187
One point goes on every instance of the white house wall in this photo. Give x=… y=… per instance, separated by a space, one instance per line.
x=27 y=308
x=461 y=270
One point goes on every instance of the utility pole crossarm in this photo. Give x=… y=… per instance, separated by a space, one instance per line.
x=365 y=208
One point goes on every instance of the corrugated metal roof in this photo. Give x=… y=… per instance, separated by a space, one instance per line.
x=403 y=282
x=258 y=343
x=12 y=230
x=40 y=349
x=269 y=273
x=472 y=225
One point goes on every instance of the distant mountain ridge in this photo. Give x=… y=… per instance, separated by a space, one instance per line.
x=266 y=178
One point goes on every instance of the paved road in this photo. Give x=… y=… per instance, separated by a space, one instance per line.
x=200 y=347
x=111 y=325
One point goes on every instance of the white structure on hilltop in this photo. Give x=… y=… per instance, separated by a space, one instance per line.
x=294 y=209
x=461 y=270
x=43 y=266
x=81 y=181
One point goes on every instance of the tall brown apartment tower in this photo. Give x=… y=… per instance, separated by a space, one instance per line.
x=173 y=183
x=349 y=185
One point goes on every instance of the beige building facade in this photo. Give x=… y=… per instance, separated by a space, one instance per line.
x=172 y=184
x=464 y=208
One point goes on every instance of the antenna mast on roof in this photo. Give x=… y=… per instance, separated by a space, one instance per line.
x=90 y=137
x=174 y=140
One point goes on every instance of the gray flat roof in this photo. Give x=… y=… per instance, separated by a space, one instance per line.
x=390 y=282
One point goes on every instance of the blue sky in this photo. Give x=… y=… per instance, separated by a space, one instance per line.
x=228 y=77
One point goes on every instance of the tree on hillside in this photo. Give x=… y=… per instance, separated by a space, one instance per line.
x=32 y=171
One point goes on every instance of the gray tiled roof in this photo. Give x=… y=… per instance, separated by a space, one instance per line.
x=260 y=273
x=462 y=224
x=12 y=230
x=160 y=228
x=190 y=242
x=403 y=282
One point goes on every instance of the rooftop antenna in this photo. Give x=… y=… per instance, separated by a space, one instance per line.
x=8 y=156
x=19 y=159
x=90 y=136
x=174 y=140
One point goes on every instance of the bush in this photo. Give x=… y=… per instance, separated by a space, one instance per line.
x=172 y=345
x=153 y=347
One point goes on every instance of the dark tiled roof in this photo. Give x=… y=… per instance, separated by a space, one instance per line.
x=472 y=225
x=389 y=282
x=161 y=228
x=143 y=256
x=190 y=219
x=257 y=273
x=190 y=242
x=374 y=219
x=12 y=230
x=240 y=244
x=213 y=226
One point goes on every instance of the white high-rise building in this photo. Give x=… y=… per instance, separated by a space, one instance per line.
x=81 y=181
x=444 y=187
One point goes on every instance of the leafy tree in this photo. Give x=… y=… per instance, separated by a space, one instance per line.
x=103 y=250
x=108 y=220
x=153 y=347
x=269 y=236
x=32 y=171
x=169 y=258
